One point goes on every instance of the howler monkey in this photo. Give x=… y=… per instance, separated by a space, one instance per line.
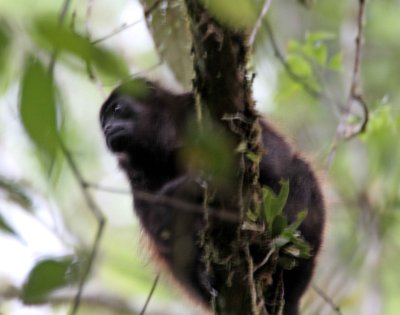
x=145 y=129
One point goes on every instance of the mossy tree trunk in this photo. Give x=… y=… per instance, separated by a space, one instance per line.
x=223 y=89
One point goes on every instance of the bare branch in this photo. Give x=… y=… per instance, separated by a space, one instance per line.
x=120 y=29
x=100 y=220
x=107 y=189
x=326 y=298
x=88 y=198
x=255 y=306
x=258 y=24
x=150 y=294
x=114 y=304
x=344 y=132
x=124 y=27
x=177 y=204
x=61 y=20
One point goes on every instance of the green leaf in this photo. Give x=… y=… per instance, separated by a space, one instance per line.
x=299 y=219
x=5 y=40
x=170 y=32
x=319 y=36
x=278 y=225
x=273 y=205
x=38 y=108
x=62 y=39
x=237 y=14
x=6 y=227
x=336 y=62
x=321 y=54
x=294 y=46
x=252 y=216
x=5 y=43
x=253 y=157
x=47 y=276
x=298 y=249
x=299 y=65
x=279 y=242
x=283 y=195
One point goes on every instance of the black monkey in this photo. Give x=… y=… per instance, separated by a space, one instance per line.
x=144 y=128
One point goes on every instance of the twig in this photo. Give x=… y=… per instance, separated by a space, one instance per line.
x=61 y=20
x=357 y=56
x=185 y=206
x=107 y=189
x=89 y=200
x=89 y=10
x=107 y=302
x=124 y=27
x=326 y=298
x=120 y=29
x=292 y=75
x=258 y=24
x=176 y=203
x=150 y=294
x=342 y=129
x=363 y=126
x=355 y=94
x=99 y=217
x=265 y=260
x=252 y=285
x=295 y=77
x=136 y=74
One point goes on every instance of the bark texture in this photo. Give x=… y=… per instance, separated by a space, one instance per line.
x=223 y=89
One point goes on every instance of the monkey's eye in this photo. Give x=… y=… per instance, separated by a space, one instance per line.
x=116 y=108
x=120 y=109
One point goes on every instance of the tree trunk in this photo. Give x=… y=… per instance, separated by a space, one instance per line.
x=223 y=89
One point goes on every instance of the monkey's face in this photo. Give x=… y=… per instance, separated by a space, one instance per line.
x=119 y=119
x=145 y=125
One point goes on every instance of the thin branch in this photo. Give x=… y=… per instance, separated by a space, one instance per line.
x=251 y=282
x=265 y=260
x=363 y=126
x=258 y=24
x=94 y=300
x=185 y=206
x=120 y=29
x=88 y=198
x=124 y=27
x=137 y=74
x=61 y=20
x=295 y=77
x=150 y=294
x=111 y=190
x=89 y=10
x=177 y=204
x=343 y=130
x=357 y=57
x=99 y=217
x=326 y=298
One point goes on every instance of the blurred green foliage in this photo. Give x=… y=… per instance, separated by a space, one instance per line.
x=359 y=262
x=38 y=108
x=47 y=276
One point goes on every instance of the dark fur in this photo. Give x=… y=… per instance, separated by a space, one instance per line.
x=146 y=134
